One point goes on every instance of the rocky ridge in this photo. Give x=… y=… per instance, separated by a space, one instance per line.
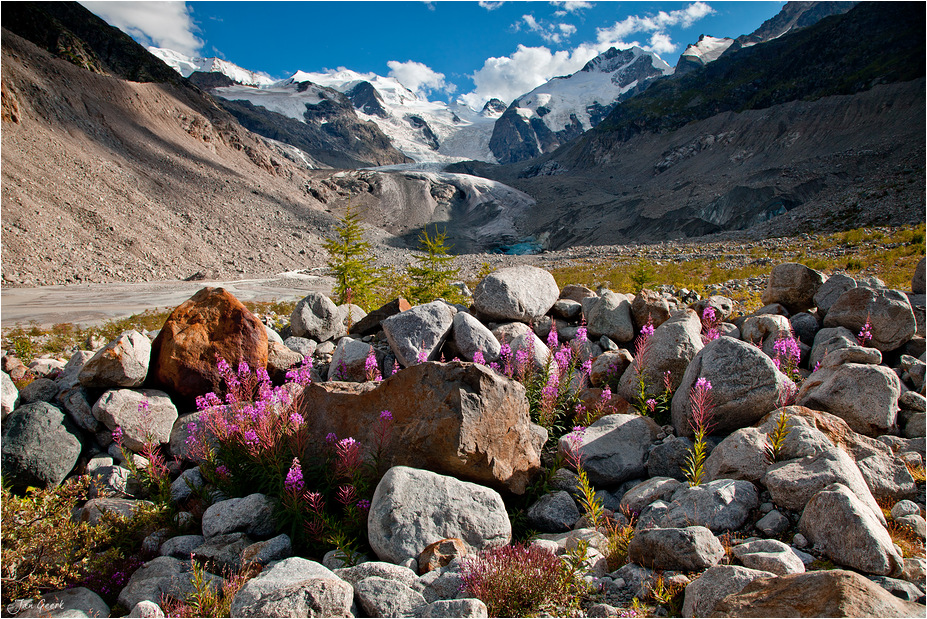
x=774 y=515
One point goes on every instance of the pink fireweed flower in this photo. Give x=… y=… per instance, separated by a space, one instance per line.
x=708 y=314
x=651 y=405
x=386 y=416
x=222 y=366
x=222 y=471
x=243 y=369
x=478 y=358
x=668 y=380
x=582 y=334
x=422 y=355
x=395 y=367
x=865 y=334
x=606 y=394
x=587 y=367
x=117 y=435
x=563 y=357
x=703 y=383
x=296 y=419
x=301 y=375
x=251 y=438
x=700 y=402
x=294 y=478
x=363 y=505
x=648 y=329
x=348 y=452
x=371 y=369
x=552 y=339
x=574 y=442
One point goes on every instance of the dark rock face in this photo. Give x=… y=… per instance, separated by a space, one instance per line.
x=494 y=106
x=366 y=98
x=40 y=446
x=417 y=122
x=208 y=80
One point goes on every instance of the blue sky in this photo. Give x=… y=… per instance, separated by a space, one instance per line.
x=443 y=50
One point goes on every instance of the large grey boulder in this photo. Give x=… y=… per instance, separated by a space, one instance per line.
x=831 y=290
x=419 y=330
x=887 y=476
x=614 y=448
x=349 y=359
x=40 y=446
x=162 y=576
x=745 y=385
x=670 y=349
x=609 y=315
x=691 y=548
x=829 y=340
x=9 y=395
x=316 y=317
x=125 y=409
x=464 y=608
x=793 y=483
x=121 y=363
x=383 y=597
x=294 y=587
x=471 y=336
x=888 y=312
x=522 y=293
x=252 y=514
x=412 y=508
x=720 y=505
x=714 y=584
x=741 y=455
x=76 y=602
x=390 y=571
x=769 y=555
x=793 y=285
x=555 y=512
x=863 y=395
x=643 y=494
x=846 y=531
x=77 y=405
x=39 y=390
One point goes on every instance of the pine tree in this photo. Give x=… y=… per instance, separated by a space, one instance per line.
x=350 y=263
x=432 y=277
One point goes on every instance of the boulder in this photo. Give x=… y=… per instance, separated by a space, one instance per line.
x=281 y=358
x=865 y=396
x=267 y=551
x=252 y=514
x=349 y=359
x=383 y=597
x=94 y=509
x=522 y=293
x=567 y=309
x=812 y=432
x=670 y=349
x=887 y=477
x=827 y=341
x=741 y=455
x=316 y=317
x=76 y=602
x=211 y=323
x=825 y=593
x=162 y=576
x=77 y=406
x=686 y=549
x=454 y=418
x=9 y=395
x=769 y=555
x=222 y=553
x=40 y=446
x=471 y=336
x=848 y=533
x=773 y=524
x=831 y=290
x=121 y=363
x=793 y=285
x=440 y=554
x=714 y=584
x=555 y=512
x=608 y=368
x=181 y=546
x=294 y=587
x=917 y=280
x=302 y=345
x=614 y=448
x=745 y=385
x=643 y=494
x=805 y=326
x=381 y=569
x=39 y=390
x=650 y=306
x=609 y=315
x=667 y=458
x=464 y=608
x=412 y=508
x=720 y=505
x=69 y=377
x=576 y=292
x=348 y=314
x=888 y=312
x=370 y=323
x=793 y=483
x=126 y=409
x=418 y=331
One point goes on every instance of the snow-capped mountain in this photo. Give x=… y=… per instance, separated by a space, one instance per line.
x=565 y=107
x=186 y=65
x=707 y=49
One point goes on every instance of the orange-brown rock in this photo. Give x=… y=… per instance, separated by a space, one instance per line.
x=440 y=553
x=212 y=322
x=456 y=418
x=826 y=593
x=370 y=324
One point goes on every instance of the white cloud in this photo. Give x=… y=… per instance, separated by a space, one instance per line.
x=162 y=24
x=508 y=77
x=571 y=6
x=660 y=43
x=552 y=33
x=419 y=78
x=489 y=5
x=615 y=35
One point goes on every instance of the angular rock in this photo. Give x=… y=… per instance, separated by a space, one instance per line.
x=349 y=359
x=714 y=584
x=764 y=329
x=302 y=345
x=887 y=477
x=146 y=609
x=847 y=532
x=650 y=306
x=454 y=418
x=440 y=554
x=667 y=458
x=162 y=576
x=370 y=324
x=9 y=396
x=831 y=290
x=773 y=524
x=464 y=608
x=741 y=455
x=423 y=328
x=77 y=406
x=93 y=509
x=70 y=374
x=280 y=358
x=76 y=602
x=381 y=597
x=222 y=553
x=181 y=546
x=643 y=494
x=769 y=555
x=471 y=336
x=412 y=508
x=826 y=593
x=268 y=551
x=212 y=322
x=522 y=293
x=614 y=448
x=40 y=446
x=252 y=514
x=793 y=285
x=610 y=315
x=805 y=326
x=850 y=354
x=294 y=587
x=39 y=390
x=121 y=363
x=608 y=368
x=186 y=484
x=348 y=314
x=316 y=317
x=720 y=505
x=576 y=292
x=553 y=513
x=745 y=385
x=827 y=341
x=888 y=312
x=865 y=396
x=687 y=549
x=381 y=569
x=670 y=349
x=125 y=408
x=567 y=309
x=812 y=432
x=905 y=508
x=793 y=483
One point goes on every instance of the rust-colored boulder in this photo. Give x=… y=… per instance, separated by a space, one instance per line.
x=440 y=553
x=456 y=418
x=211 y=322
x=370 y=324
x=826 y=593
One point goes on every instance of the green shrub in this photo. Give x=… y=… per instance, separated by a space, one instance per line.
x=349 y=260
x=432 y=277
